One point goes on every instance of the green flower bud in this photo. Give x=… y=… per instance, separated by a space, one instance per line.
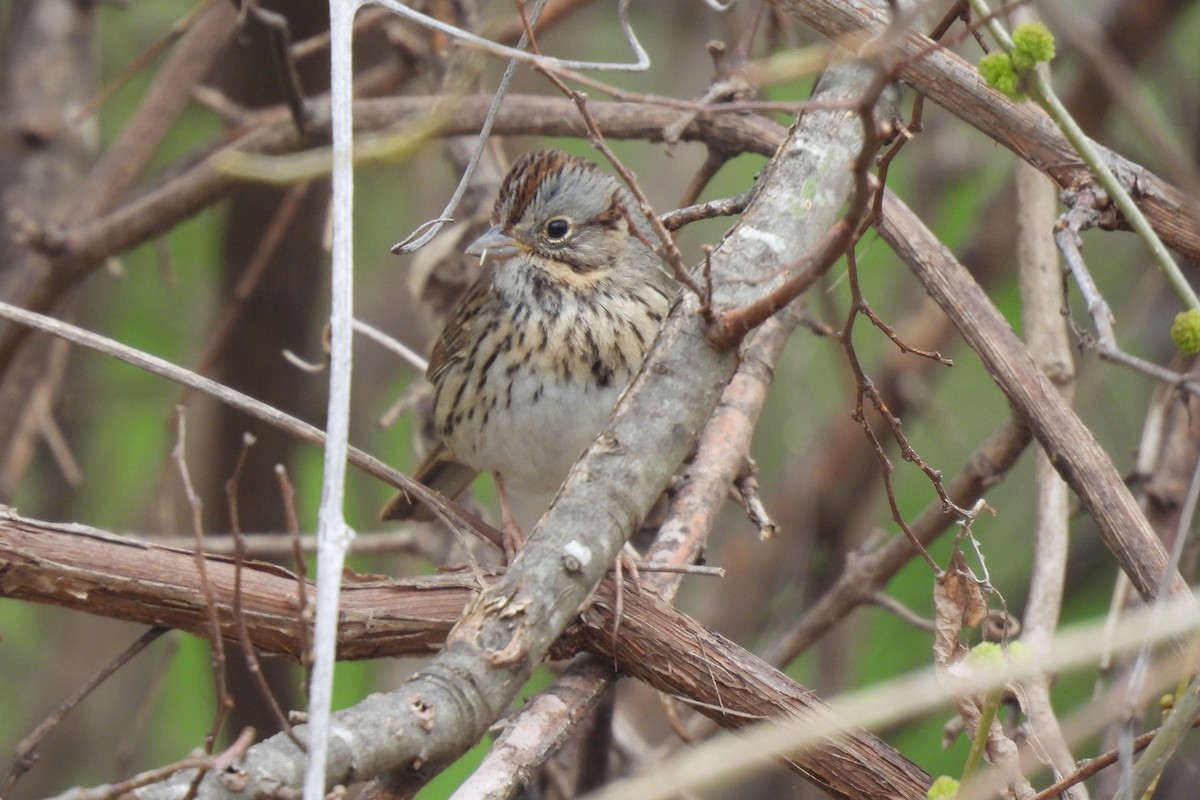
x=997 y=70
x=1185 y=332
x=1032 y=42
x=1019 y=651
x=944 y=788
x=986 y=654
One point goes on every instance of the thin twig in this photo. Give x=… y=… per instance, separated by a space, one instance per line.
x=746 y=487
x=427 y=230
x=895 y=607
x=203 y=763
x=1080 y=216
x=448 y=511
x=140 y=61
x=280 y=45
x=26 y=750
x=865 y=387
x=217 y=653
x=868 y=572
x=1090 y=767
x=235 y=304
x=239 y=619
x=406 y=353
x=287 y=493
x=721 y=207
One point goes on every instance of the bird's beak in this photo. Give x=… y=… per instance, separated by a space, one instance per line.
x=495 y=243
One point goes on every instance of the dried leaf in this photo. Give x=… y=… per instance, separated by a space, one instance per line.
x=957 y=600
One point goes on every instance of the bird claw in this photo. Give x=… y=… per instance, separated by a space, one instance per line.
x=626 y=563
x=512 y=531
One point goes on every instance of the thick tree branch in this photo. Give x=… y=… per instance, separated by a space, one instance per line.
x=99 y=573
x=1045 y=329
x=721 y=451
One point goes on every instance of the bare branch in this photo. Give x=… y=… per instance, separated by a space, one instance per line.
x=1071 y=447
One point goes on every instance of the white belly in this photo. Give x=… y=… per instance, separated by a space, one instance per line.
x=533 y=443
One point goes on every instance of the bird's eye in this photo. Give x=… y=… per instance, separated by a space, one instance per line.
x=558 y=228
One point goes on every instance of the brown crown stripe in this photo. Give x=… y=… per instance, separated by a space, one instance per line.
x=526 y=176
